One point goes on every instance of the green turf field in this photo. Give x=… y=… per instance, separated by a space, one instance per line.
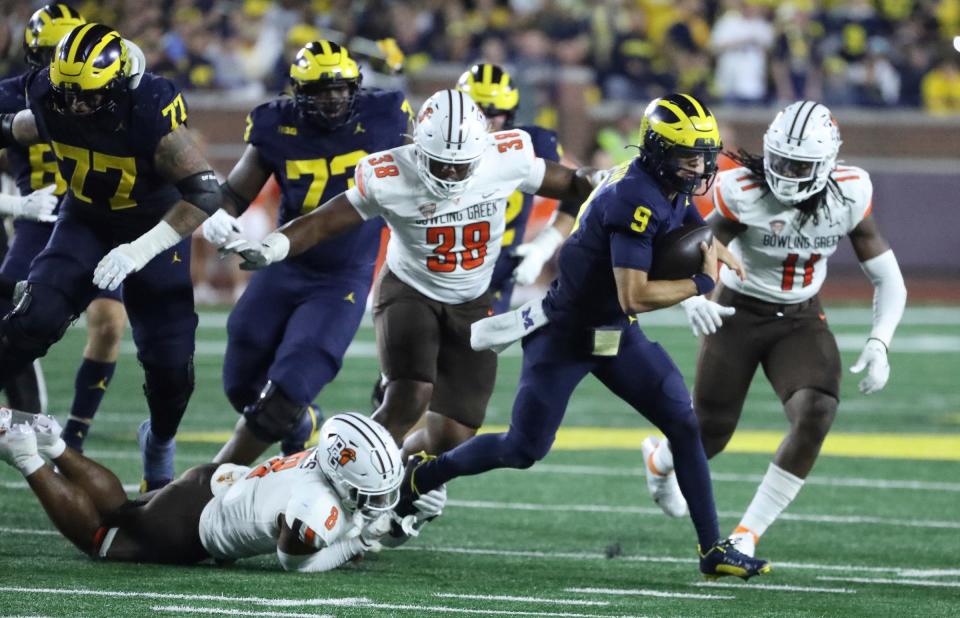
x=868 y=536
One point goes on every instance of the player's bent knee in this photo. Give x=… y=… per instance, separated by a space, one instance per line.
x=522 y=452
x=38 y=321
x=812 y=412
x=106 y=323
x=273 y=416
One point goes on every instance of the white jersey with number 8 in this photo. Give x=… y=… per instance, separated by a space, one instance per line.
x=785 y=264
x=242 y=519
x=446 y=248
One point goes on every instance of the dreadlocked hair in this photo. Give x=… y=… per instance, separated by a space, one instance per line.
x=809 y=209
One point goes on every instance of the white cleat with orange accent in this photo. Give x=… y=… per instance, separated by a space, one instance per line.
x=745 y=541
x=663 y=488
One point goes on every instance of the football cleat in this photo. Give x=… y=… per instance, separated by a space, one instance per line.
x=723 y=559
x=664 y=489
x=745 y=541
x=157 y=459
x=408 y=488
x=307 y=433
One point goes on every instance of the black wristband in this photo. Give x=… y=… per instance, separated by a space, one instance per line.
x=886 y=348
x=704 y=283
x=6 y=130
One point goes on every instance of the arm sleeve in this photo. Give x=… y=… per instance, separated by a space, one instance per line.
x=889 y=295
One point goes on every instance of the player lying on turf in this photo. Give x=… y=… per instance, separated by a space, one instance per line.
x=586 y=323
x=785 y=214
x=317 y=509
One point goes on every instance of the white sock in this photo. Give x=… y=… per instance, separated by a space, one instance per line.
x=29 y=465
x=663 y=458
x=776 y=492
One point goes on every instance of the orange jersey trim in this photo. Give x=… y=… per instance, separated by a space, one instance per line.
x=359 y=176
x=723 y=206
x=869 y=209
x=846 y=178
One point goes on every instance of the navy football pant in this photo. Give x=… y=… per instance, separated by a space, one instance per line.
x=554 y=362
x=291 y=327
x=159 y=299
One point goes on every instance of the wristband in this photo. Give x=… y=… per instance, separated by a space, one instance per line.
x=886 y=348
x=704 y=283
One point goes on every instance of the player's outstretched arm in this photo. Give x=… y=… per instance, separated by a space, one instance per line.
x=296 y=555
x=18 y=128
x=178 y=160
x=564 y=183
x=889 y=300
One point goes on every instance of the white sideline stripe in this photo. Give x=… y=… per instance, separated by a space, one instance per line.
x=675 y=316
x=505 y=553
x=904 y=344
x=775 y=587
x=655 y=511
x=420 y=608
x=756 y=478
x=940 y=573
x=887 y=580
x=175 y=596
x=186 y=609
x=33 y=531
x=500 y=597
x=640 y=592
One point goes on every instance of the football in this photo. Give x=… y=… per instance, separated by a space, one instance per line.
x=677 y=255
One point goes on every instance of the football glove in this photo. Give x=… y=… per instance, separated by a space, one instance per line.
x=259 y=255
x=38 y=206
x=221 y=228
x=115 y=267
x=535 y=254
x=705 y=316
x=373 y=530
x=873 y=358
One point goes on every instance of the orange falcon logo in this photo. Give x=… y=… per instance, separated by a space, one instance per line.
x=347 y=455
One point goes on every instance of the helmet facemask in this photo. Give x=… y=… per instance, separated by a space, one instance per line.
x=667 y=163
x=450 y=137
x=327 y=103
x=800 y=149
x=793 y=179
x=445 y=179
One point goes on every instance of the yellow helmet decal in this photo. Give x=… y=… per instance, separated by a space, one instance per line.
x=490 y=87
x=90 y=57
x=682 y=120
x=319 y=60
x=49 y=24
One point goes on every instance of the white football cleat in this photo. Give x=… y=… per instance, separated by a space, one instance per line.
x=18 y=446
x=745 y=541
x=664 y=489
x=47 y=429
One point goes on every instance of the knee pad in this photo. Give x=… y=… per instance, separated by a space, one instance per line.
x=273 y=416
x=168 y=391
x=39 y=320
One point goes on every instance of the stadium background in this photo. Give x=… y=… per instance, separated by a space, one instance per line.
x=875 y=530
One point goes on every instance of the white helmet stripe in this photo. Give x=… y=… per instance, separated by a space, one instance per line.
x=806 y=120
x=370 y=430
x=790 y=135
x=462 y=122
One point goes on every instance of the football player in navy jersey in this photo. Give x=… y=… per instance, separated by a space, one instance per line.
x=138 y=186
x=586 y=323
x=288 y=333
x=33 y=169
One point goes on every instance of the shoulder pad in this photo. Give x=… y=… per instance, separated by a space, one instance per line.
x=857 y=189
x=734 y=190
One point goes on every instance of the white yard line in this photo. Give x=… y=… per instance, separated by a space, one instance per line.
x=774 y=587
x=889 y=581
x=755 y=478
x=499 y=597
x=196 y=611
x=642 y=592
x=217 y=611
x=656 y=512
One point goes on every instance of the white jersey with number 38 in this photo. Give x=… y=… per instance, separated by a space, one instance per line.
x=242 y=519
x=446 y=248
x=785 y=264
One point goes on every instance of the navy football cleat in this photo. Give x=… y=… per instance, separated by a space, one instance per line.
x=408 y=488
x=723 y=559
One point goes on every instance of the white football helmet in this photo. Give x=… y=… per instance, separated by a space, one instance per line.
x=800 y=150
x=451 y=130
x=362 y=462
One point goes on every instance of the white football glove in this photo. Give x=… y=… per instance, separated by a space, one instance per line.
x=705 y=316
x=221 y=228
x=535 y=254
x=38 y=206
x=259 y=255
x=873 y=358
x=373 y=530
x=431 y=504
x=114 y=267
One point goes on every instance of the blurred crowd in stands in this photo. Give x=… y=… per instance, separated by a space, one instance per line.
x=877 y=53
